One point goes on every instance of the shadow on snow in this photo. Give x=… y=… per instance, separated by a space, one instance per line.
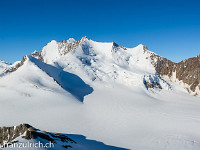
x=68 y=81
x=92 y=144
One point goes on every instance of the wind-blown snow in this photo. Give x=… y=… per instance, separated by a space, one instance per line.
x=120 y=111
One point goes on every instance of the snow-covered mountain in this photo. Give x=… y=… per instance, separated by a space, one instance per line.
x=105 y=61
x=120 y=96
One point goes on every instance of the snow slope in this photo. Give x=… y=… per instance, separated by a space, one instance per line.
x=117 y=107
x=3 y=66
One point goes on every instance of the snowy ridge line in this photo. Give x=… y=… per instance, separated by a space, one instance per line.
x=62 y=48
x=68 y=81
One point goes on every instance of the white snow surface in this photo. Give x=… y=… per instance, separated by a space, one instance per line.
x=3 y=66
x=70 y=40
x=120 y=111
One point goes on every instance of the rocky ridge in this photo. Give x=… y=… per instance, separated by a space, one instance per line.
x=187 y=71
x=25 y=135
x=25 y=131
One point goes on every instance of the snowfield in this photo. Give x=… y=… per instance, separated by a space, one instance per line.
x=97 y=90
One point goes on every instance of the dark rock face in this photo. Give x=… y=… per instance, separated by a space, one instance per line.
x=187 y=70
x=155 y=82
x=9 y=134
x=151 y=84
x=37 y=55
x=115 y=45
x=165 y=67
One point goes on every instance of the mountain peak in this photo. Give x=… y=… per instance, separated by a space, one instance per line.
x=140 y=46
x=70 y=40
x=53 y=42
x=83 y=39
x=115 y=44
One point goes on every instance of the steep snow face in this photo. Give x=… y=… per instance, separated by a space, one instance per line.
x=54 y=50
x=50 y=52
x=68 y=81
x=30 y=82
x=107 y=62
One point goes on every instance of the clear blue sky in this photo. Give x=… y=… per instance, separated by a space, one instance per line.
x=170 y=28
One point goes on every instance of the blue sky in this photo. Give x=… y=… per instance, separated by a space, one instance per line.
x=170 y=28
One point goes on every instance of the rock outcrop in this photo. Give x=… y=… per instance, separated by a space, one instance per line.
x=155 y=82
x=187 y=71
x=63 y=48
x=27 y=132
x=14 y=68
